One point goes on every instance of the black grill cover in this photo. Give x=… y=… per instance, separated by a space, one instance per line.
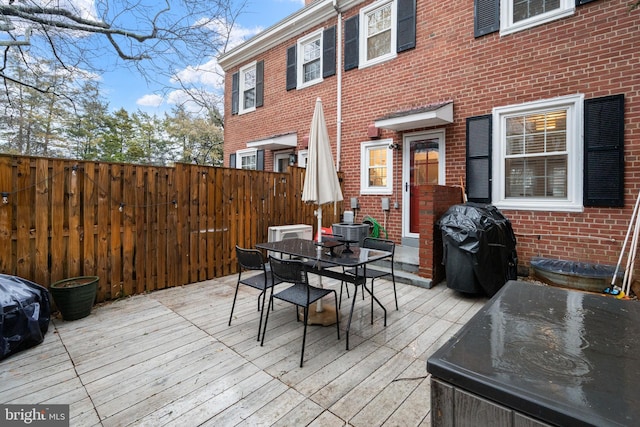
x=25 y=311
x=479 y=248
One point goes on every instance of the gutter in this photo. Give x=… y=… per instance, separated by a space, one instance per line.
x=338 y=87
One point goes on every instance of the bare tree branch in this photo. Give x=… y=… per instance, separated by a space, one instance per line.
x=158 y=38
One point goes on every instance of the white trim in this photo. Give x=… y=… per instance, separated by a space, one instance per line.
x=306 y=18
x=507 y=26
x=247 y=152
x=364 y=62
x=437 y=117
x=242 y=71
x=365 y=148
x=279 y=156
x=406 y=140
x=300 y=59
x=303 y=157
x=573 y=203
x=275 y=143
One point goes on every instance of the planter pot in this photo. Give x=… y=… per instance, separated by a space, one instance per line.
x=75 y=296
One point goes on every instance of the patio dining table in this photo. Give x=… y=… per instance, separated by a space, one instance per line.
x=333 y=254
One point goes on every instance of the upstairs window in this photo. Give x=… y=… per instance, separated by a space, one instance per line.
x=310 y=64
x=516 y=15
x=248 y=88
x=311 y=59
x=379 y=32
x=509 y=16
x=378 y=39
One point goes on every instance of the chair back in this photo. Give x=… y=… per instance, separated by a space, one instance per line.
x=249 y=259
x=289 y=270
x=379 y=244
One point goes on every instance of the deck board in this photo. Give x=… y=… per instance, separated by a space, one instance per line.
x=170 y=358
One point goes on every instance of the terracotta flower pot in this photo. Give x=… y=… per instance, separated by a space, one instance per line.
x=75 y=296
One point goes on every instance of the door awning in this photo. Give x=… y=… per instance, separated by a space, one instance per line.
x=432 y=115
x=276 y=142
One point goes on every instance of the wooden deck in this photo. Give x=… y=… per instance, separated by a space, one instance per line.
x=169 y=358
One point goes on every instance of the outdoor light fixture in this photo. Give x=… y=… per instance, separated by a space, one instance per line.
x=292 y=159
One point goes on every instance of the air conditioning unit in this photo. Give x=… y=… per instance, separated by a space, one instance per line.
x=282 y=232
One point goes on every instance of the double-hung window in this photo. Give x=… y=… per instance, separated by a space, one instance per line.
x=376 y=167
x=516 y=15
x=247 y=159
x=310 y=64
x=538 y=155
x=248 y=88
x=379 y=28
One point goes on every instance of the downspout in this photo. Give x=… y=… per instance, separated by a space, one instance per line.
x=339 y=87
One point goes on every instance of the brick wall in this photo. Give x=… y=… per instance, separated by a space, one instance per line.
x=434 y=202
x=594 y=52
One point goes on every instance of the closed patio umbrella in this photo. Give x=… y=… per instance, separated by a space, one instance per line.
x=321 y=184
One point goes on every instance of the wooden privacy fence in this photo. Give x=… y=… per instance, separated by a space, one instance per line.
x=139 y=228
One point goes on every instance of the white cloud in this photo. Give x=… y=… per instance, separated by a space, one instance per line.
x=207 y=77
x=151 y=100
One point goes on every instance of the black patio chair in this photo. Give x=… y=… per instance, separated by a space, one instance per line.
x=253 y=260
x=301 y=294
x=372 y=273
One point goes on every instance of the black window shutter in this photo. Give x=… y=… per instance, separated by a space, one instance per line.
x=292 y=72
x=604 y=151
x=259 y=83
x=351 y=40
x=260 y=160
x=486 y=17
x=329 y=52
x=406 y=38
x=581 y=2
x=232 y=160
x=235 y=88
x=479 y=158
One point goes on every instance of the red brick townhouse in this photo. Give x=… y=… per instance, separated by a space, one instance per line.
x=532 y=105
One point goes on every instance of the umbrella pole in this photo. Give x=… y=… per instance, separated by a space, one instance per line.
x=319 y=250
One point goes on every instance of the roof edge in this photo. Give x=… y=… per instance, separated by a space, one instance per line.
x=306 y=18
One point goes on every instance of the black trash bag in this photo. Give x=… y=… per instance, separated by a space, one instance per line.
x=479 y=248
x=25 y=311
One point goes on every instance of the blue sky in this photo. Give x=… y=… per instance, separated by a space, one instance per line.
x=125 y=89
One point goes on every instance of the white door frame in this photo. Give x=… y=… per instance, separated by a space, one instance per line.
x=407 y=138
x=277 y=157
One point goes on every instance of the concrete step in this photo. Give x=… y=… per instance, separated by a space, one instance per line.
x=406 y=267
x=404 y=276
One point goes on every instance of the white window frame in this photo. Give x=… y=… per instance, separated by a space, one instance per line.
x=364 y=62
x=573 y=202
x=247 y=152
x=300 y=56
x=303 y=157
x=507 y=26
x=365 y=149
x=241 y=88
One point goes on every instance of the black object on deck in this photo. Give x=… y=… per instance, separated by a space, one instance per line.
x=25 y=311
x=479 y=248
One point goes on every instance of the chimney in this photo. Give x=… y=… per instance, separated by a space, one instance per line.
x=308 y=2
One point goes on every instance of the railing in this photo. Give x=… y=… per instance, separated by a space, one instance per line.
x=139 y=228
